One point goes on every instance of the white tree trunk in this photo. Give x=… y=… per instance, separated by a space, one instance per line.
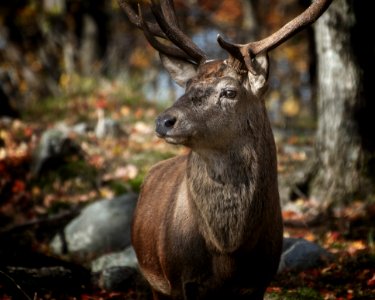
x=341 y=157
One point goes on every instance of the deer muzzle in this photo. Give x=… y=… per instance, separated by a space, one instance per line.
x=164 y=124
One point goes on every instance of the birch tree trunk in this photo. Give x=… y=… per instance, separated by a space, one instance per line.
x=345 y=140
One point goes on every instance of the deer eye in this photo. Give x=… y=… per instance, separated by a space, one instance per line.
x=228 y=93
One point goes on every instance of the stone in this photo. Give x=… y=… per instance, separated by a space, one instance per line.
x=125 y=258
x=102 y=227
x=54 y=147
x=299 y=254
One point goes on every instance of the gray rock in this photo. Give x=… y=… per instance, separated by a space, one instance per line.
x=299 y=255
x=81 y=128
x=54 y=146
x=125 y=258
x=107 y=127
x=102 y=227
x=117 y=279
x=119 y=272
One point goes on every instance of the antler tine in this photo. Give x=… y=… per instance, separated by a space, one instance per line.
x=168 y=50
x=169 y=12
x=136 y=19
x=246 y=52
x=166 y=19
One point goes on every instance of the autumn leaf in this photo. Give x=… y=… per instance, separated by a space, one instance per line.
x=18 y=186
x=371 y=281
x=355 y=246
x=291 y=107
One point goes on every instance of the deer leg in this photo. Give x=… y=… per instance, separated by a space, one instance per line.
x=257 y=295
x=191 y=291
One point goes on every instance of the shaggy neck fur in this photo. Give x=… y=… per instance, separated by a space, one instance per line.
x=222 y=186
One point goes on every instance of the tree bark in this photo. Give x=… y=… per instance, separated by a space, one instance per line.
x=344 y=146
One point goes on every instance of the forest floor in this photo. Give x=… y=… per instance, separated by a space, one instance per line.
x=112 y=166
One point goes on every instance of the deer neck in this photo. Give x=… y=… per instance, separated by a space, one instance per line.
x=221 y=186
x=226 y=167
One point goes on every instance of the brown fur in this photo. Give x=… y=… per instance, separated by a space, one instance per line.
x=208 y=224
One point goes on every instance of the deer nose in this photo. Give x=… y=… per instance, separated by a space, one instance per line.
x=164 y=123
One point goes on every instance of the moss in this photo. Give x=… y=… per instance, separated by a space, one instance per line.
x=136 y=182
x=119 y=187
x=73 y=176
x=303 y=293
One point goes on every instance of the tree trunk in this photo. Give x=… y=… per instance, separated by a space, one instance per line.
x=345 y=150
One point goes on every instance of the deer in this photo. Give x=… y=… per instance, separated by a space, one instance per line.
x=208 y=224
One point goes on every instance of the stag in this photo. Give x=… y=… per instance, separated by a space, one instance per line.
x=208 y=224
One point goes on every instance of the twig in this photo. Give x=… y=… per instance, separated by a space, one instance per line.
x=67 y=215
x=14 y=284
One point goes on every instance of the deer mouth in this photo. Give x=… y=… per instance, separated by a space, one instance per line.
x=174 y=138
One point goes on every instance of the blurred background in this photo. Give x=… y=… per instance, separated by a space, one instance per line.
x=80 y=88
x=62 y=48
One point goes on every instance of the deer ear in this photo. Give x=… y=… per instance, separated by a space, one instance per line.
x=181 y=71
x=258 y=77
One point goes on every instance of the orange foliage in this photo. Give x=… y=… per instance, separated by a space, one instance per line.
x=225 y=11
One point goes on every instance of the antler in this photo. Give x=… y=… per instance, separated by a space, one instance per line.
x=246 y=52
x=166 y=28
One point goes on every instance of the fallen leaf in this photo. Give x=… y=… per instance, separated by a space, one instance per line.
x=290 y=107
x=371 y=282
x=355 y=246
